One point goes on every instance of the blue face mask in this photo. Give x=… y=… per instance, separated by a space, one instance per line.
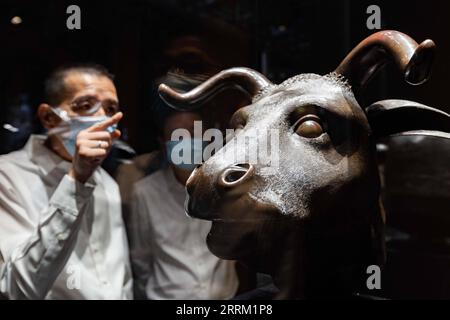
x=185 y=154
x=69 y=129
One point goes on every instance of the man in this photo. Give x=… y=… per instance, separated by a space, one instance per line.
x=61 y=232
x=169 y=255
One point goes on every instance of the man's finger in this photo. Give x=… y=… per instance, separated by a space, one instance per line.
x=96 y=135
x=107 y=123
x=92 y=153
x=116 y=134
x=95 y=144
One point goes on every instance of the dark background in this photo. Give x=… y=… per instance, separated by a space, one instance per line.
x=140 y=40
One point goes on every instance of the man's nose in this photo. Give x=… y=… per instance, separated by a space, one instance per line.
x=100 y=112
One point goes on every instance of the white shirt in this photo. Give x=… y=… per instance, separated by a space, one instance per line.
x=59 y=239
x=169 y=255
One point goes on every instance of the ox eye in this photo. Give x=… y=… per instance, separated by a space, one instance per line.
x=309 y=126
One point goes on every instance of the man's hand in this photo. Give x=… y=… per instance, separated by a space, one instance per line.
x=92 y=147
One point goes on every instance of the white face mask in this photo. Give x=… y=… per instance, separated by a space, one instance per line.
x=70 y=127
x=185 y=154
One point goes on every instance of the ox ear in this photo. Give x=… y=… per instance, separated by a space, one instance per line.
x=403 y=117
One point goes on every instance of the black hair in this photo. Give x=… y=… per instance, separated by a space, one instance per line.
x=56 y=90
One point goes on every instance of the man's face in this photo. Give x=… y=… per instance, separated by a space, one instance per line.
x=180 y=120
x=84 y=95
x=86 y=90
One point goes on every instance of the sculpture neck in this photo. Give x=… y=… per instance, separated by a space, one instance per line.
x=325 y=264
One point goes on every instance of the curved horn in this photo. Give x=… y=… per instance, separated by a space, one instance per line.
x=249 y=80
x=414 y=60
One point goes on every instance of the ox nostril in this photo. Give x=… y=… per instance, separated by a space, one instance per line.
x=236 y=174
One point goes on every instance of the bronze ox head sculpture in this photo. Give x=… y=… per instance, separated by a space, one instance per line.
x=314 y=223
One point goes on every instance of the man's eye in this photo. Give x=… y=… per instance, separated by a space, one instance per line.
x=83 y=106
x=111 y=110
x=309 y=126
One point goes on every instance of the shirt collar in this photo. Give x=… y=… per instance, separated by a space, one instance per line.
x=43 y=157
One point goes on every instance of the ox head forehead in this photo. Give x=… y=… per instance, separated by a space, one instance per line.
x=301 y=81
x=327 y=94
